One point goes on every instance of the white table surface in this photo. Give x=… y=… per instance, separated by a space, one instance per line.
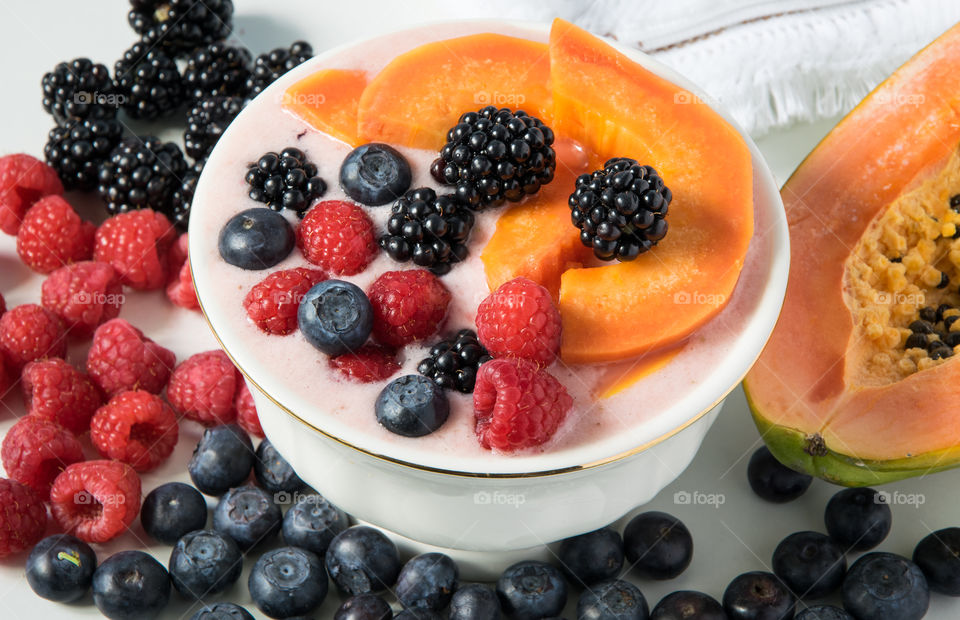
x=736 y=536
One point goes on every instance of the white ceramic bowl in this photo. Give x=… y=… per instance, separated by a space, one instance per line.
x=497 y=507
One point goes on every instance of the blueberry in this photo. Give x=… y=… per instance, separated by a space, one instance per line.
x=248 y=515
x=222 y=459
x=335 y=317
x=592 y=557
x=885 y=585
x=312 y=522
x=60 y=568
x=418 y=614
x=758 y=595
x=427 y=581
x=688 y=605
x=204 y=562
x=288 y=582
x=361 y=559
x=612 y=600
x=657 y=545
x=810 y=564
x=364 y=607
x=858 y=519
x=256 y=239
x=131 y=585
x=823 y=612
x=273 y=472
x=774 y=481
x=938 y=556
x=412 y=406
x=222 y=611
x=375 y=174
x=171 y=510
x=474 y=602
x=532 y=590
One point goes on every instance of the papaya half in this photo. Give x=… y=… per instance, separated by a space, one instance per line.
x=860 y=381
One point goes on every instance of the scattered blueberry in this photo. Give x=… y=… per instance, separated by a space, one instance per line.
x=758 y=595
x=688 y=605
x=222 y=611
x=774 y=481
x=288 y=582
x=131 y=585
x=312 y=522
x=256 y=239
x=885 y=585
x=858 y=519
x=427 y=581
x=532 y=590
x=592 y=557
x=375 y=174
x=335 y=317
x=364 y=607
x=810 y=563
x=612 y=600
x=222 y=459
x=823 y=612
x=248 y=515
x=273 y=472
x=60 y=568
x=204 y=562
x=361 y=559
x=474 y=602
x=412 y=406
x=657 y=545
x=938 y=556
x=172 y=510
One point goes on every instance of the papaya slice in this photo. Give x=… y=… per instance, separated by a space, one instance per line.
x=328 y=100
x=420 y=94
x=615 y=107
x=847 y=388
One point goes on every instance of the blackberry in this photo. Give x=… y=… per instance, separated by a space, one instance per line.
x=206 y=122
x=181 y=26
x=285 y=181
x=76 y=152
x=428 y=229
x=217 y=69
x=183 y=194
x=270 y=66
x=78 y=90
x=149 y=82
x=453 y=363
x=620 y=209
x=492 y=155
x=142 y=173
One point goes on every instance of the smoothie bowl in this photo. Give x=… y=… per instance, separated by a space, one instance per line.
x=635 y=328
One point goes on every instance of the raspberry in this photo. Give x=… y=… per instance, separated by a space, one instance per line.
x=83 y=295
x=517 y=405
x=96 y=500
x=6 y=381
x=56 y=391
x=23 y=181
x=338 y=236
x=3 y=305
x=368 y=364
x=52 y=235
x=136 y=428
x=247 y=416
x=136 y=243
x=177 y=255
x=180 y=289
x=23 y=517
x=203 y=387
x=35 y=451
x=272 y=303
x=30 y=332
x=122 y=358
x=519 y=321
x=407 y=306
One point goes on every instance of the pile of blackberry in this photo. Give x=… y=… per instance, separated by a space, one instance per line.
x=216 y=70
x=78 y=90
x=931 y=332
x=181 y=26
x=76 y=152
x=285 y=181
x=142 y=173
x=428 y=229
x=149 y=82
x=620 y=209
x=206 y=122
x=270 y=66
x=495 y=155
x=183 y=194
x=453 y=363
